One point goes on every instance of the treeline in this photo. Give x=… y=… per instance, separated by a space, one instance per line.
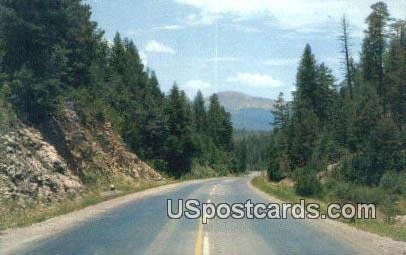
x=52 y=53
x=355 y=130
x=251 y=149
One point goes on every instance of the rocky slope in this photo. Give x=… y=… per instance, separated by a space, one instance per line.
x=99 y=149
x=31 y=168
x=52 y=164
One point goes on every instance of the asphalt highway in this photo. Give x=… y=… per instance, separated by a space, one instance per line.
x=143 y=227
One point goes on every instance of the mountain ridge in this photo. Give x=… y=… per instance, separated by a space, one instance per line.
x=233 y=100
x=247 y=112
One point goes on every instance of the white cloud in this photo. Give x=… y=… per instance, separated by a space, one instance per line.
x=292 y=13
x=281 y=62
x=255 y=80
x=201 y=19
x=167 y=27
x=197 y=84
x=157 y=47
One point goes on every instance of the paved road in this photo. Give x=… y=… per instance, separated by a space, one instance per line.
x=142 y=227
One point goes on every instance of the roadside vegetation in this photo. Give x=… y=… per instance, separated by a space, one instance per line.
x=345 y=142
x=380 y=226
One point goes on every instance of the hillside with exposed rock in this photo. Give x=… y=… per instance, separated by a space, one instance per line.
x=55 y=162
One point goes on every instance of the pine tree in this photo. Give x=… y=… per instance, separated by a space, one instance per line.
x=368 y=111
x=374 y=47
x=345 y=45
x=134 y=75
x=309 y=111
x=219 y=124
x=180 y=149
x=154 y=87
x=117 y=56
x=274 y=169
x=325 y=93
x=306 y=81
x=280 y=112
x=395 y=66
x=199 y=112
x=81 y=39
x=304 y=132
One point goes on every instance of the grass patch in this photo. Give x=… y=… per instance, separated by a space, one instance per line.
x=283 y=193
x=34 y=212
x=396 y=231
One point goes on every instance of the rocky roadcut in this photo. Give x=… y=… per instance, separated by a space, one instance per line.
x=31 y=168
x=44 y=166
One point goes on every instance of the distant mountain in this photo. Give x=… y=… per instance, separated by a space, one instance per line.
x=248 y=112
x=234 y=101
x=253 y=119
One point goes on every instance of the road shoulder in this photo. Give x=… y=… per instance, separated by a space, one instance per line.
x=362 y=241
x=12 y=239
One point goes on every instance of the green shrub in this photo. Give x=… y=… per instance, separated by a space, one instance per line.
x=352 y=193
x=221 y=169
x=393 y=183
x=307 y=184
x=274 y=171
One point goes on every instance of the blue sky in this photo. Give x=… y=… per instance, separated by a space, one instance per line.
x=252 y=46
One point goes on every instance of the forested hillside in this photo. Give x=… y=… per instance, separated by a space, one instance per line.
x=53 y=55
x=353 y=132
x=252 y=149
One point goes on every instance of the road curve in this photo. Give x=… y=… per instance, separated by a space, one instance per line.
x=142 y=227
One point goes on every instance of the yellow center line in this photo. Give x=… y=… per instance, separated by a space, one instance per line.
x=199 y=238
